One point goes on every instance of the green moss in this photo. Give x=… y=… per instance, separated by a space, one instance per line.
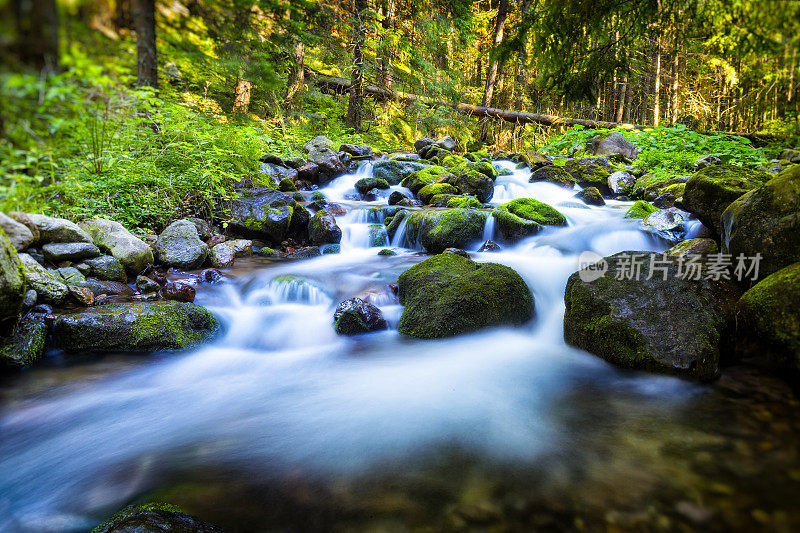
x=553 y=174
x=452 y=160
x=287 y=185
x=396 y=220
x=588 y=174
x=504 y=172
x=418 y=179
x=440 y=200
x=131 y=511
x=449 y=228
x=525 y=216
x=429 y=191
x=640 y=209
x=266 y=251
x=449 y=295
x=364 y=185
x=675 y=189
x=478 y=155
x=473 y=183
x=387 y=252
x=463 y=202
x=12 y=278
x=486 y=168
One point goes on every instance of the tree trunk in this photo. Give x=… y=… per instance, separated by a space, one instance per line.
x=123 y=15
x=626 y=115
x=144 y=21
x=355 y=105
x=241 y=99
x=673 y=117
x=37 y=27
x=386 y=77
x=657 y=82
x=491 y=74
x=297 y=76
x=522 y=61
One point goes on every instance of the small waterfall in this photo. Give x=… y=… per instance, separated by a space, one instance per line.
x=288 y=289
x=343 y=187
x=399 y=239
x=488 y=229
x=727 y=228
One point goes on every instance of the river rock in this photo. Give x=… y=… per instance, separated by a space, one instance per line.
x=664 y=324
x=422 y=144
x=640 y=209
x=378 y=236
x=68 y=275
x=204 y=229
x=490 y=246
x=19 y=234
x=154 y=518
x=588 y=174
x=82 y=295
x=472 y=183
x=711 y=190
x=48 y=288
x=446 y=143
x=769 y=319
x=441 y=229
x=364 y=185
x=621 y=182
x=52 y=229
x=394 y=171
x=26 y=344
x=178 y=291
x=448 y=295
x=268 y=215
x=426 y=193
x=69 y=251
x=107 y=288
x=355 y=316
x=134 y=327
x=322 y=229
x=667 y=223
x=553 y=174
x=106 y=268
x=766 y=221
x=223 y=254
x=590 y=196
x=112 y=238
x=360 y=151
x=522 y=217
x=694 y=247
x=612 y=144
x=12 y=278
x=146 y=285
x=398 y=198
x=792 y=155
x=707 y=161
x=179 y=246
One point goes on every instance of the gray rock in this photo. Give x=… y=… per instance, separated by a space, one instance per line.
x=106 y=268
x=446 y=143
x=278 y=172
x=791 y=155
x=322 y=229
x=707 y=161
x=204 y=229
x=69 y=276
x=12 y=279
x=361 y=151
x=613 y=143
x=222 y=255
x=265 y=215
x=179 y=246
x=69 y=251
x=19 y=234
x=108 y=288
x=53 y=229
x=667 y=223
x=422 y=144
x=112 y=237
x=30 y=299
x=355 y=316
x=621 y=182
x=49 y=289
x=27 y=343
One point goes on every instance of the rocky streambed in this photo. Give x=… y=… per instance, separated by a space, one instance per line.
x=421 y=340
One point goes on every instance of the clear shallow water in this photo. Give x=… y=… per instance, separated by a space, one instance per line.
x=280 y=424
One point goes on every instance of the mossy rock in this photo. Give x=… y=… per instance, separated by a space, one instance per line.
x=452 y=160
x=387 y=252
x=553 y=174
x=394 y=223
x=522 y=217
x=152 y=518
x=378 y=237
x=693 y=247
x=429 y=191
x=766 y=221
x=322 y=229
x=465 y=202
x=640 y=209
x=26 y=344
x=417 y=180
x=287 y=185
x=479 y=155
x=266 y=251
x=588 y=174
x=441 y=200
x=364 y=185
x=135 y=327
x=473 y=183
x=711 y=190
x=664 y=324
x=355 y=317
x=504 y=172
x=448 y=295
x=590 y=196
x=769 y=319
x=441 y=229
x=487 y=169
x=12 y=279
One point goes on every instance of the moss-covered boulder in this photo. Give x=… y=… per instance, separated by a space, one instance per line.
x=154 y=518
x=711 y=190
x=12 y=279
x=134 y=327
x=613 y=144
x=26 y=344
x=766 y=221
x=394 y=222
x=664 y=324
x=589 y=174
x=179 y=246
x=322 y=229
x=106 y=268
x=395 y=171
x=472 y=183
x=378 y=236
x=621 y=182
x=522 y=217
x=420 y=178
x=441 y=229
x=553 y=174
x=441 y=200
x=487 y=169
x=449 y=295
x=48 y=287
x=364 y=185
x=768 y=324
x=355 y=316
x=640 y=209
x=693 y=247
x=429 y=191
x=463 y=201
x=113 y=238
x=268 y=215
x=590 y=196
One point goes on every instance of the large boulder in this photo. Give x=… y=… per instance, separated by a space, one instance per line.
x=266 y=214
x=441 y=229
x=355 y=316
x=358 y=151
x=320 y=152
x=766 y=221
x=449 y=295
x=154 y=518
x=769 y=319
x=134 y=327
x=473 y=183
x=26 y=344
x=106 y=268
x=223 y=254
x=12 y=279
x=112 y=238
x=56 y=252
x=590 y=196
x=613 y=144
x=446 y=143
x=522 y=217
x=589 y=174
x=394 y=171
x=51 y=229
x=553 y=174
x=319 y=147
x=179 y=246
x=49 y=288
x=322 y=229
x=364 y=185
x=792 y=155
x=19 y=234
x=711 y=190
x=429 y=191
x=668 y=323
x=420 y=178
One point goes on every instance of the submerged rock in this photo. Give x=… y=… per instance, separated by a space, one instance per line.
x=154 y=518
x=355 y=316
x=664 y=324
x=113 y=238
x=441 y=229
x=134 y=327
x=523 y=217
x=590 y=196
x=711 y=190
x=766 y=221
x=490 y=246
x=180 y=246
x=448 y=295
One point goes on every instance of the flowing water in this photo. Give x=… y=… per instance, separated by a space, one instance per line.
x=282 y=425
